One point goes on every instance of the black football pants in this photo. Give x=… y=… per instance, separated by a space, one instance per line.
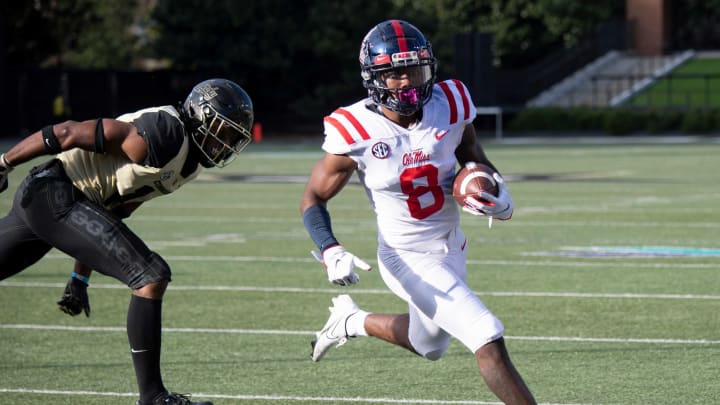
x=49 y=212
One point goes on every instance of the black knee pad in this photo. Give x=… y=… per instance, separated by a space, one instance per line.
x=154 y=269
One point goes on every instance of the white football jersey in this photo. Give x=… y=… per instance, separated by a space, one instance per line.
x=407 y=172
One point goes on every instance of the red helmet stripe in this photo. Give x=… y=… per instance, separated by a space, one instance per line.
x=464 y=96
x=451 y=101
x=400 y=33
x=344 y=132
x=355 y=123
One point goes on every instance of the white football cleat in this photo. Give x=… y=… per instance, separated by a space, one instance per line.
x=334 y=332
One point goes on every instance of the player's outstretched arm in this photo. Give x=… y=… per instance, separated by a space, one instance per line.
x=101 y=135
x=329 y=176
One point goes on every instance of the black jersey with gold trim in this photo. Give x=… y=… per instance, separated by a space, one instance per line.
x=111 y=180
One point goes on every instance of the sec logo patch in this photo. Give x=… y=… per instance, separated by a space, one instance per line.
x=381 y=150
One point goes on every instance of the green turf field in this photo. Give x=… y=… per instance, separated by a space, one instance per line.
x=607 y=280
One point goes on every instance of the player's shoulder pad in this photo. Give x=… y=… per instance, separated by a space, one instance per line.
x=457 y=96
x=346 y=127
x=169 y=110
x=162 y=130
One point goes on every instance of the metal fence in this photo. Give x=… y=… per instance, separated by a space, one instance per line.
x=679 y=90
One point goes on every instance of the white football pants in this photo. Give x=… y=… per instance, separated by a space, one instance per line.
x=439 y=301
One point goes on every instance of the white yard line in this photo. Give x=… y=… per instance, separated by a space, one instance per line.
x=118 y=286
x=65 y=328
x=272 y=398
x=668 y=263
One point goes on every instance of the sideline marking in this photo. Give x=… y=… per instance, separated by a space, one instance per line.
x=376 y=291
x=312 y=333
x=631 y=252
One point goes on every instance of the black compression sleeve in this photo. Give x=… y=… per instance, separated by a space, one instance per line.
x=317 y=223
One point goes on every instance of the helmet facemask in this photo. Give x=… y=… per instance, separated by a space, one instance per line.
x=403 y=100
x=219 y=138
x=218 y=116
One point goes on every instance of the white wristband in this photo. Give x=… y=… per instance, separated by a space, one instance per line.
x=4 y=162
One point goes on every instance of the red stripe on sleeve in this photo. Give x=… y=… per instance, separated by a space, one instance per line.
x=355 y=123
x=402 y=43
x=345 y=134
x=451 y=101
x=464 y=96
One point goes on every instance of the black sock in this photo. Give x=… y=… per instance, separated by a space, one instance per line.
x=144 y=322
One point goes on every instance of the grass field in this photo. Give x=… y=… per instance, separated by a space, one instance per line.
x=607 y=280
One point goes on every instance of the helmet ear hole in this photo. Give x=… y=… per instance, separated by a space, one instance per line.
x=207 y=111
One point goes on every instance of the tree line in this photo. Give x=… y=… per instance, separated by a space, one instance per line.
x=298 y=56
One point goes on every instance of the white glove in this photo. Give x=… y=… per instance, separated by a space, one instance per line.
x=340 y=264
x=4 y=171
x=500 y=207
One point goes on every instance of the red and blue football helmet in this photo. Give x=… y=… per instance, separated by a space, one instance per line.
x=394 y=44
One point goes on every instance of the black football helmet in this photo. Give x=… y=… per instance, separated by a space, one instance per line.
x=218 y=115
x=395 y=44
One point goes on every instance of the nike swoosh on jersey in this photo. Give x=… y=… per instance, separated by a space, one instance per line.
x=440 y=135
x=138 y=350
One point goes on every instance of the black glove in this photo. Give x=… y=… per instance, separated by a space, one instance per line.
x=75 y=298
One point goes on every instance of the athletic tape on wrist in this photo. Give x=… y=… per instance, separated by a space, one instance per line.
x=84 y=279
x=5 y=163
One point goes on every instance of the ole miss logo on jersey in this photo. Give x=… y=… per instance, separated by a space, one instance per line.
x=415 y=158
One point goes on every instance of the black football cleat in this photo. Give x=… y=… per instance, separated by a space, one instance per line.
x=173 y=398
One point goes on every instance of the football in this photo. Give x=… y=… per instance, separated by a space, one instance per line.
x=472 y=179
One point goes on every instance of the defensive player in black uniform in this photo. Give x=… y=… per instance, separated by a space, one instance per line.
x=103 y=170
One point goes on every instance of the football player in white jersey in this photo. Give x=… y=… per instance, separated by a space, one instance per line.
x=103 y=171
x=404 y=141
